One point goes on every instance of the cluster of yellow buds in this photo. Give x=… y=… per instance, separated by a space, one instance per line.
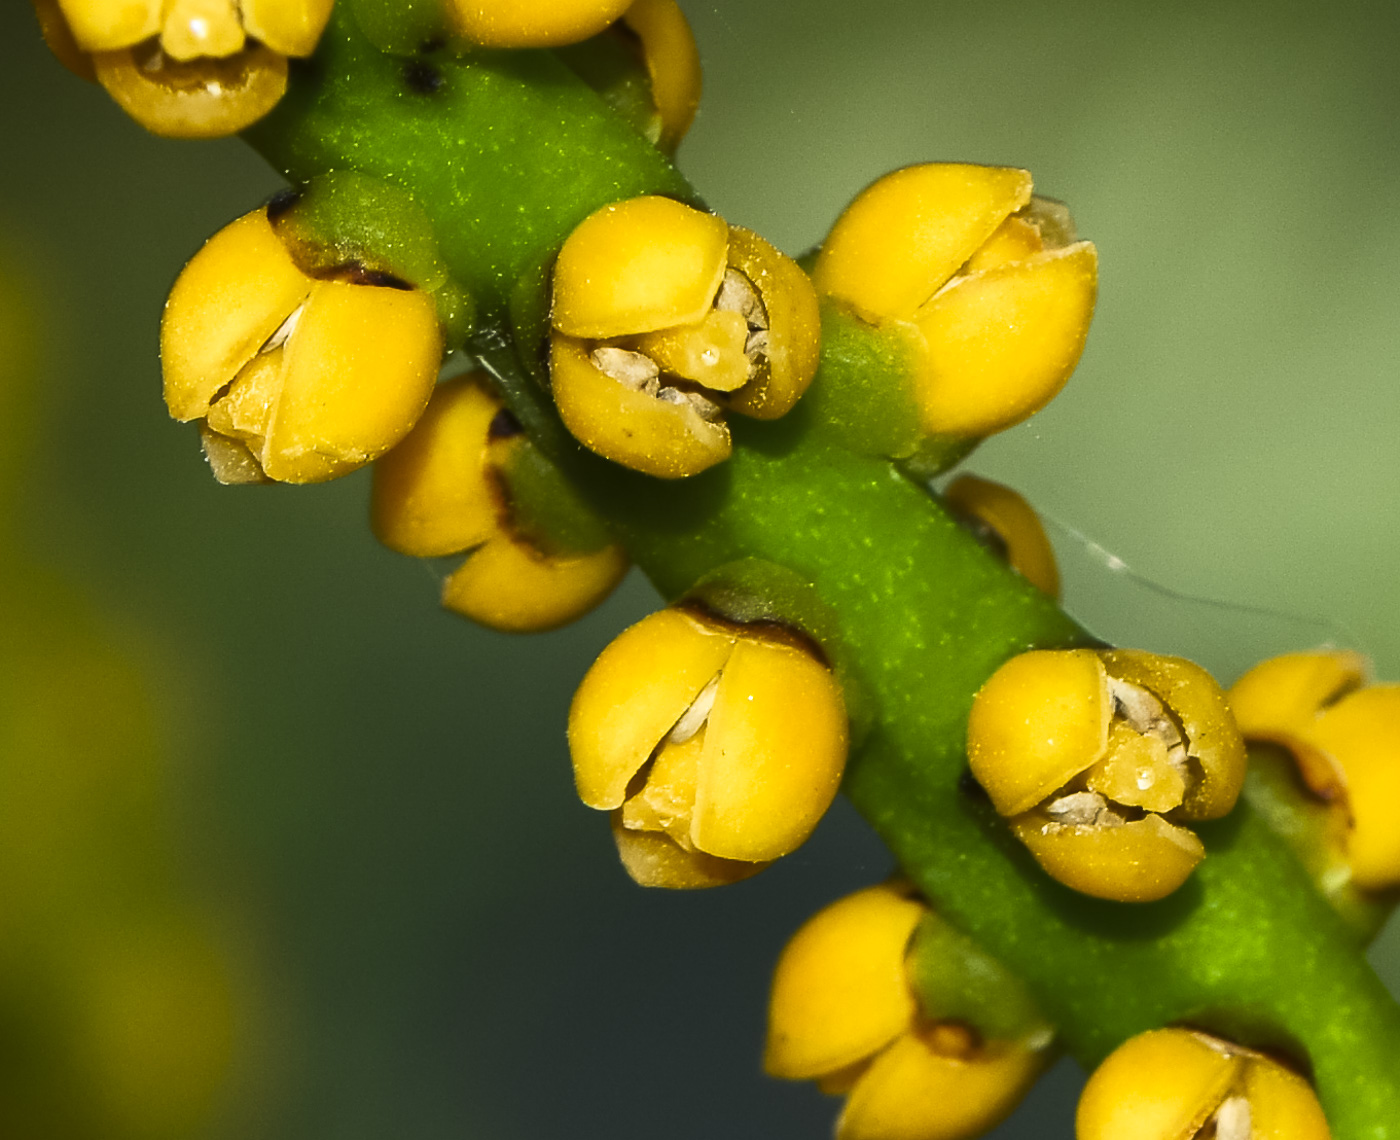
x=1097 y=755
x=716 y=746
x=456 y=484
x=186 y=68
x=665 y=316
x=1181 y=1084
x=294 y=377
x=1344 y=736
x=1003 y=518
x=985 y=282
x=844 y=1012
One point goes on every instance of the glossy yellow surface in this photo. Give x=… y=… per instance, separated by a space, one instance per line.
x=1141 y=861
x=627 y=425
x=1362 y=735
x=432 y=493
x=999 y=345
x=195 y=28
x=710 y=352
x=637 y=266
x=59 y=36
x=790 y=304
x=909 y=232
x=655 y=860
x=840 y=991
x=103 y=25
x=508 y=585
x=912 y=1092
x=1203 y=711
x=1160 y=1085
x=347 y=374
x=774 y=752
x=742 y=737
x=1028 y=548
x=1169 y=1084
x=633 y=695
x=672 y=62
x=1041 y=719
x=202 y=99
x=291 y=27
x=532 y=23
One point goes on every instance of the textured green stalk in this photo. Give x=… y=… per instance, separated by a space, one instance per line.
x=506 y=153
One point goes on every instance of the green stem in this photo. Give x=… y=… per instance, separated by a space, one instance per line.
x=507 y=155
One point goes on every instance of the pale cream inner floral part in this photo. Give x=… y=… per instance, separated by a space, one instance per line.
x=693 y=364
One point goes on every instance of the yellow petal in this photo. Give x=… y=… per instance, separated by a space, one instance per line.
x=1201 y=708
x=1028 y=548
x=911 y=1092
x=1137 y=772
x=1159 y=1085
x=634 y=694
x=1282 y=1106
x=1362 y=734
x=532 y=23
x=510 y=586
x=194 y=28
x=202 y=99
x=840 y=992
x=908 y=233
x=774 y=752
x=654 y=860
x=711 y=353
x=1015 y=239
x=230 y=298
x=1039 y=721
x=999 y=345
x=432 y=495
x=794 y=327
x=1140 y=861
x=105 y=25
x=361 y=365
x=638 y=266
x=672 y=62
x=291 y=27
x=667 y=800
x=640 y=431
x=59 y=36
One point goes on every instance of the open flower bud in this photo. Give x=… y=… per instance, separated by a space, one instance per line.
x=1011 y=526
x=1097 y=755
x=1180 y=1084
x=986 y=283
x=189 y=68
x=844 y=1014
x=1344 y=736
x=663 y=317
x=312 y=377
x=725 y=741
x=448 y=489
x=532 y=23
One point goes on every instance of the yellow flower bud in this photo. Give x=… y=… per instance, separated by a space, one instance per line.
x=1345 y=737
x=725 y=741
x=532 y=23
x=1014 y=523
x=314 y=376
x=842 y=1013
x=987 y=283
x=663 y=317
x=672 y=62
x=186 y=68
x=1175 y=1084
x=443 y=491
x=1097 y=755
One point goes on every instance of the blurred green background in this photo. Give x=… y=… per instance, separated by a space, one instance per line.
x=430 y=937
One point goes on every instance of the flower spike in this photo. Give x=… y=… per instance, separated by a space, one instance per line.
x=1096 y=755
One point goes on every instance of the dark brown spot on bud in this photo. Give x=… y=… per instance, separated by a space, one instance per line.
x=504 y=426
x=282 y=201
